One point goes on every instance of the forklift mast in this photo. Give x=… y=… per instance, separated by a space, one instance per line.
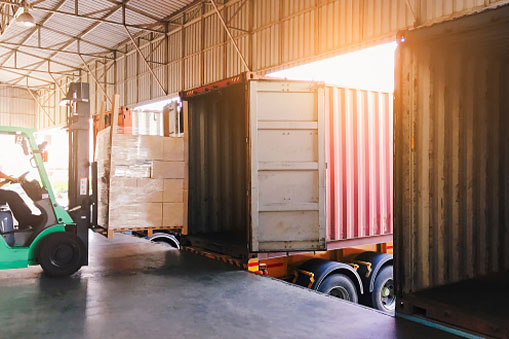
x=79 y=160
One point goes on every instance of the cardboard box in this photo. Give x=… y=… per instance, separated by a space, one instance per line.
x=173 y=190
x=129 y=149
x=136 y=215
x=149 y=190
x=128 y=191
x=147 y=184
x=173 y=214
x=133 y=171
x=168 y=170
x=173 y=149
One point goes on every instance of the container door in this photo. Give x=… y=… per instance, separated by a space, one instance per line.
x=287 y=166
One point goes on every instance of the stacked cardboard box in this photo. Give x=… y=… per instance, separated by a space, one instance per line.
x=142 y=182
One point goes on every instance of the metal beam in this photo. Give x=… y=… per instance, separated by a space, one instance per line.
x=26 y=75
x=38 y=103
x=96 y=81
x=139 y=11
x=230 y=35
x=94 y=12
x=32 y=65
x=58 y=50
x=87 y=30
x=13 y=81
x=93 y=43
x=33 y=30
x=57 y=84
x=73 y=67
x=5 y=17
x=237 y=11
x=146 y=62
x=7 y=68
x=81 y=16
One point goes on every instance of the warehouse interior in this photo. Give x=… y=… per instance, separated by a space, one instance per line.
x=246 y=168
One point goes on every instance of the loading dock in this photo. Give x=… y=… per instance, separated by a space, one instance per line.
x=133 y=288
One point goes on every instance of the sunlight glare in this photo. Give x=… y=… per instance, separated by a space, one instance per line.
x=371 y=69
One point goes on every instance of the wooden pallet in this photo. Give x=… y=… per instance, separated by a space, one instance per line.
x=150 y=230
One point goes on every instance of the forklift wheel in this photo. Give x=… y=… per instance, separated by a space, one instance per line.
x=61 y=254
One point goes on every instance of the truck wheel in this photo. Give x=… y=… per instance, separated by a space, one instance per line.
x=165 y=239
x=339 y=285
x=383 y=297
x=61 y=254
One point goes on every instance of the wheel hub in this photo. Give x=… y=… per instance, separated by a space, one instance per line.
x=339 y=292
x=387 y=295
x=62 y=255
x=385 y=292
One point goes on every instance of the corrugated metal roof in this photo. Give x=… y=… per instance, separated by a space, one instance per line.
x=56 y=31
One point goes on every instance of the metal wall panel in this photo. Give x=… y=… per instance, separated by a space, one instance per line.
x=110 y=83
x=144 y=77
x=157 y=91
x=213 y=53
x=451 y=169
x=101 y=75
x=266 y=53
x=17 y=107
x=132 y=91
x=144 y=87
x=174 y=77
x=158 y=53
x=359 y=157
x=192 y=59
x=235 y=65
x=120 y=76
x=175 y=45
x=216 y=57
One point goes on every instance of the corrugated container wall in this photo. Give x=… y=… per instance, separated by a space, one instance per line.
x=17 y=107
x=359 y=164
x=452 y=152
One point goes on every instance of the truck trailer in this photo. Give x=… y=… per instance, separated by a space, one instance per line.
x=293 y=179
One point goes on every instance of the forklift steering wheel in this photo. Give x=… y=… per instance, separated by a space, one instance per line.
x=22 y=177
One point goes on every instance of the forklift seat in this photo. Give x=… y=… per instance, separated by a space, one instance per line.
x=6 y=225
x=12 y=237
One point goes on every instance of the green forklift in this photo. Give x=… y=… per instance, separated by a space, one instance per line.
x=59 y=241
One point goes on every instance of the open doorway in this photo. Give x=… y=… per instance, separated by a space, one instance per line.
x=149 y=119
x=368 y=69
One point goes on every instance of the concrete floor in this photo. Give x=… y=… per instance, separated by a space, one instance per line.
x=135 y=289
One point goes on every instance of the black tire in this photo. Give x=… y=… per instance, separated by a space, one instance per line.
x=339 y=285
x=383 y=297
x=61 y=254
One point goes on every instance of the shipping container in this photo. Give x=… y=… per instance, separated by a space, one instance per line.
x=451 y=172
x=277 y=165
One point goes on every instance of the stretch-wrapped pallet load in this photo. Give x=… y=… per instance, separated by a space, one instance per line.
x=142 y=182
